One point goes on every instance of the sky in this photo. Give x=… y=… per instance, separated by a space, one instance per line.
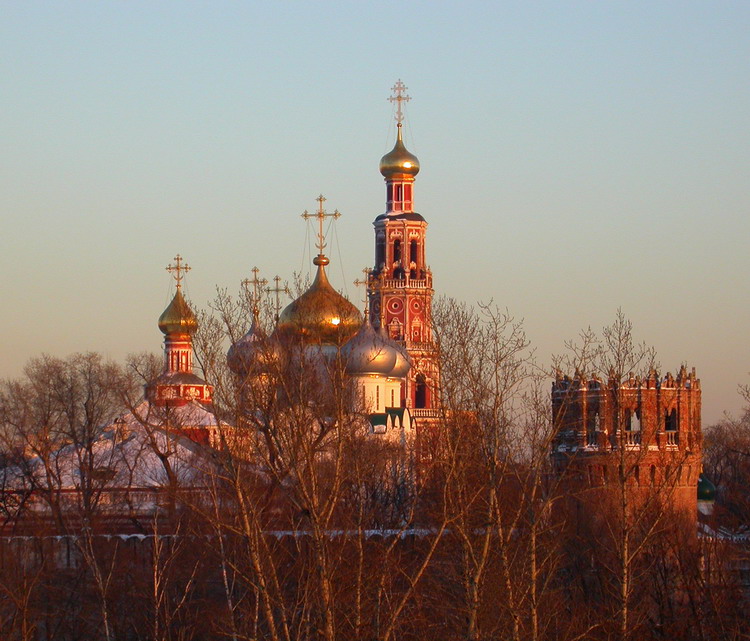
x=577 y=158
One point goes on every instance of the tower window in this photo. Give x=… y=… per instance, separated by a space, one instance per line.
x=413 y=255
x=670 y=421
x=396 y=250
x=420 y=392
x=379 y=254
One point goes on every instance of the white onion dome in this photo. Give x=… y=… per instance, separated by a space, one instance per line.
x=403 y=360
x=321 y=315
x=368 y=352
x=399 y=161
x=253 y=353
x=178 y=318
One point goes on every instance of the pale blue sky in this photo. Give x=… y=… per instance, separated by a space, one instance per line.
x=576 y=157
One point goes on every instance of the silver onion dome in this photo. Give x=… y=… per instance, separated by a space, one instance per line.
x=368 y=352
x=403 y=360
x=253 y=353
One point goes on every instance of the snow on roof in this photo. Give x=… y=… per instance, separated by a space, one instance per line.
x=143 y=448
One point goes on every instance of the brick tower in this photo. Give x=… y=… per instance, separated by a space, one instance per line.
x=400 y=286
x=643 y=433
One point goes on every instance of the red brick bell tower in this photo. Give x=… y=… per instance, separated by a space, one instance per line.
x=400 y=286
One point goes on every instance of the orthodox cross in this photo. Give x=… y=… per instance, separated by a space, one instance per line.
x=399 y=96
x=258 y=285
x=278 y=290
x=178 y=270
x=366 y=283
x=321 y=215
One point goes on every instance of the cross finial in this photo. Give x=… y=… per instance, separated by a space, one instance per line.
x=258 y=284
x=278 y=290
x=366 y=283
x=321 y=215
x=399 y=96
x=178 y=270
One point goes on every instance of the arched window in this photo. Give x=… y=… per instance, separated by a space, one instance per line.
x=379 y=253
x=420 y=393
x=670 y=421
x=396 y=250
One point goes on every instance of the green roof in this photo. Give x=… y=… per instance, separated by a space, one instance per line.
x=706 y=489
x=378 y=419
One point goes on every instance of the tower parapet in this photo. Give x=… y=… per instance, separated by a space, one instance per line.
x=651 y=426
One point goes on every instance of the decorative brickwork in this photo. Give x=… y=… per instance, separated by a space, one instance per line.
x=645 y=433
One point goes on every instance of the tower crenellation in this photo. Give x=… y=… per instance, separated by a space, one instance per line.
x=649 y=422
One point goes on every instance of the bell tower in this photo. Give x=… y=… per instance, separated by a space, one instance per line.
x=400 y=285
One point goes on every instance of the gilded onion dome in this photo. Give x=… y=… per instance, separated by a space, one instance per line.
x=369 y=352
x=399 y=161
x=178 y=318
x=321 y=315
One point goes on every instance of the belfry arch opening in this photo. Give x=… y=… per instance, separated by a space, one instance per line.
x=420 y=392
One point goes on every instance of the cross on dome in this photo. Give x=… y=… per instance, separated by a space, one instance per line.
x=258 y=284
x=399 y=96
x=321 y=215
x=364 y=283
x=178 y=270
x=278 y=290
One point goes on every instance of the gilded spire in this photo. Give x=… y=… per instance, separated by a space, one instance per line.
x=257 y=284
x=178 y=318
x=366 y=284
x=321 y=314
x=178 y=270
x=399 y=163
x=278 y=290
x=321 y=259
x=399 y=96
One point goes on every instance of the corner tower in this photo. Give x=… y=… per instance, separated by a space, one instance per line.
x=400 y=285
x=640 y=435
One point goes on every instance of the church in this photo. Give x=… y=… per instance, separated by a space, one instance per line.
x=387 y=353
x=389 y=358
x=321 y=459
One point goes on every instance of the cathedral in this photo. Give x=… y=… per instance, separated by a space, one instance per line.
x=388 y=352
x=643 y=434
x=649 y=429
x=326 y=467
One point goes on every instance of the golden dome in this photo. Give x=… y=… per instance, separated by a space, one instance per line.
x=178 y=318
x=399 y=161
x=321 y=314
